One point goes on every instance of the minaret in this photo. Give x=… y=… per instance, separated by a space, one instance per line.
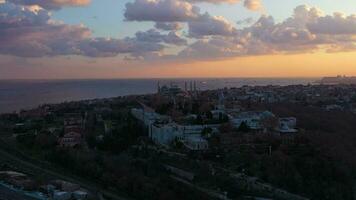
x=158 y=88
x=221 y=98
x=185 y=86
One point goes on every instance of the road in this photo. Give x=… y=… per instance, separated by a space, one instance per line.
x=31 y=168
x=211 y=193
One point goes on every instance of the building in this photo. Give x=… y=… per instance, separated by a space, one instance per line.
x=18 y=180
x=80 y=195
x=71 y=119
x=195 y=143
x=148 y=116
x=71 y=139
x=287 y=125
x=163 y=131
x=63 y=190
x=170 y=90
x=164 y=134
x=73 y=130
x=60 y=195
x=253 y=119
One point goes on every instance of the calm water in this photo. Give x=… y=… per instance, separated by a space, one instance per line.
x=23 y=94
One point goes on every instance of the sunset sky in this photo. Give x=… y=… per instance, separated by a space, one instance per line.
x=58 y=39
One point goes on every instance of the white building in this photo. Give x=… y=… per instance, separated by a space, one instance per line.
x=80 y=195
x=217 y=114
x=163 y=131
x=287 y=125
x=195 y=143
x=166 y=133
x=148 y=117
x=60 y=195
x=254 y=120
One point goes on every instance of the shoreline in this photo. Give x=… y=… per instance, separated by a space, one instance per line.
x=22 y=95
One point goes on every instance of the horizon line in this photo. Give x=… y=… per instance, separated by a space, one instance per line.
x=147 y=78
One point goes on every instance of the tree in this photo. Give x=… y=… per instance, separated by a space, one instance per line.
x=244 y=127
x=225 y=128
x=28 y=140
x=206 y=132
x=45 y=140
x=199 y=120
x=209 y=115
x=270 y=123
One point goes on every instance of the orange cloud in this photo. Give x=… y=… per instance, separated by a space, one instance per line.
x=254 y=5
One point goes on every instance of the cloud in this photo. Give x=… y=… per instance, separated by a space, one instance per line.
x=247 y=21
x=160 y=11
x=18 y=16
x=51 y=4
x=166 y=14
x=174 y=38
x=305 y=31
x=107 y=47
x=29 y=31
x=154 y=36
x=206 y=25
x=214 y=1
x=26 y=32
x=253 y=5
x=336 y=24
x=166 y=26
x=213 y=48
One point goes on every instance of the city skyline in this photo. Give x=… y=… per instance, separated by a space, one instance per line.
x=176 y=38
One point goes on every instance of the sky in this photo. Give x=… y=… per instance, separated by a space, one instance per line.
x=68 y=39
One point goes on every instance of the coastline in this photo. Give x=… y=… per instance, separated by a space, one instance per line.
x=16 y=95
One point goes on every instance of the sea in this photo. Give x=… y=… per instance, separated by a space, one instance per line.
x=16 y=95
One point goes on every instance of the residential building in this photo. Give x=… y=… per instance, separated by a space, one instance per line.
x=163 y=131
x=195 y=143
x=287 y=125
x=71 y=139
x=253 y=119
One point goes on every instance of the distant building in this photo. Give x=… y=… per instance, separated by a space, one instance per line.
x=333 y=107
x=287 y=125
x=253 y=119
x=80 y=195
x=338 y=80
x=71 y=139
x=163 y=131
x=63 y=190
x=71 y=119
x=19 y=180
x=165 y=134
x=148 y=116
x=170 y=90
x=109 y=126
x=219 y=110
x=60 y=195
x=73 y=130
x=195 y=143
